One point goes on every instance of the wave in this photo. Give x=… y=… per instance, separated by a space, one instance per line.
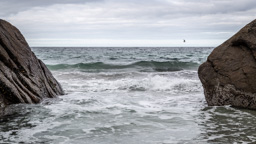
x=145 y=82
x=141 y=66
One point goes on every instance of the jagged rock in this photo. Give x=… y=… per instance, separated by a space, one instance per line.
x=23 y=77
x=229 y=74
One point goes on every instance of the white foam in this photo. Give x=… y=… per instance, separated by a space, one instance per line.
x=86 y=82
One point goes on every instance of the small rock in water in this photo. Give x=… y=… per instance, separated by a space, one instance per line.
x=229 y=74
x=23 y=77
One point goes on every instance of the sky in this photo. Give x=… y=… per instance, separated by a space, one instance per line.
x=128 y=23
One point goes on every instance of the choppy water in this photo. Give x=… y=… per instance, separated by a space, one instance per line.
x=126 y=96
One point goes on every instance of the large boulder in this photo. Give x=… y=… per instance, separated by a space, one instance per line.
x=229 y=74
x=23 y=77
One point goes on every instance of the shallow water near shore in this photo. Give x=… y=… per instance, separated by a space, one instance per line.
x=128 y=96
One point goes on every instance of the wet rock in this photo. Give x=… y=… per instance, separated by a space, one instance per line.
x=229 y=74
x=23 y=77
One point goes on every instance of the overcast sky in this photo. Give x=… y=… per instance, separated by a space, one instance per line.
x=128 y=22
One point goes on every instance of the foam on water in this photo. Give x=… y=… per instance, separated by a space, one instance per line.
x=80 y=117
x=127 y=106
x=174 y=82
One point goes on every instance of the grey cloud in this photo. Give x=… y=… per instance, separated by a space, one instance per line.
x=129 y=19
x=14 y=6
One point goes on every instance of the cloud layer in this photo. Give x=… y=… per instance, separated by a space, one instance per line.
x=128 y=22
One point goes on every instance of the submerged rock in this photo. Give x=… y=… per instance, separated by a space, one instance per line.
x=23 y=77
x=229 y=74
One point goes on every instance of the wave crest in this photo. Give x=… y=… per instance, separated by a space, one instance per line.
x=140 y=66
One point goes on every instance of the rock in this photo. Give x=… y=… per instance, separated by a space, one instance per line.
x=229 y=74
x=23 y=77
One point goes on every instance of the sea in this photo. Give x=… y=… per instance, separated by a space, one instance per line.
x=126 y=95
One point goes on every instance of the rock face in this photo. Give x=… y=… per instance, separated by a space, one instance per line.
x=23 y=77
x=229 y=74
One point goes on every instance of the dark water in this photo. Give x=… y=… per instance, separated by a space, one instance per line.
x=127 y=96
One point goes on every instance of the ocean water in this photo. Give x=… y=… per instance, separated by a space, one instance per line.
x=126 y=96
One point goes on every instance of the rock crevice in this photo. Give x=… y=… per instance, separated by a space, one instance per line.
x=23 y=77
